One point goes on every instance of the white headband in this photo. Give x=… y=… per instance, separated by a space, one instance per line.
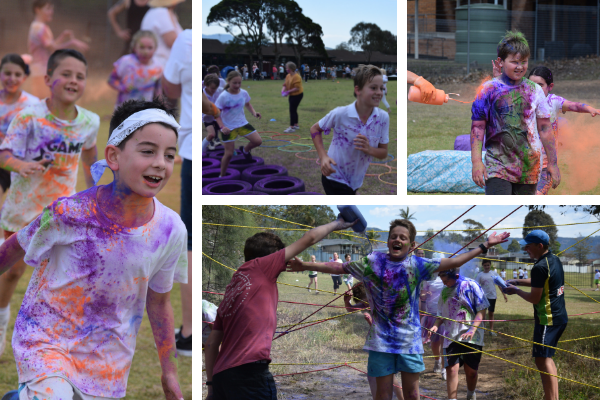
x=131 y=124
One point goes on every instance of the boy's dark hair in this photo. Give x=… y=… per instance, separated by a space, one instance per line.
x=544 y=73
x=16 y=59
x=364 y=75
x=60 y=55
x=412 y=231
x=262 y=244
x=359 y=292
x=486 y=262
x=211 y=79
x=513 y=42
x=347 y=255
x=213 y=69
x=453 y=273
x=130 y=107
x=39 y=4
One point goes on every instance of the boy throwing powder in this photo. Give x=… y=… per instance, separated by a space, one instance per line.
x=100 y=257
x=42 y=149
x=361 y=131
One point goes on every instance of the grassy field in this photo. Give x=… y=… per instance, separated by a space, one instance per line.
x=341 y=340
x=436 y=128
x=320 y=97
x=144 y=378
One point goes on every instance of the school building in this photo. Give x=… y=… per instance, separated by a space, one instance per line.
x=213 y=53
x=555 y=29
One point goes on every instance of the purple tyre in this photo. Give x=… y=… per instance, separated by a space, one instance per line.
x=242 y=163
x=255 y=174
x=254 y=192
x=216 y=154
x=280 y=185
x=227 y=187
x=211 y=175
x=208 y=162
x=307 y=193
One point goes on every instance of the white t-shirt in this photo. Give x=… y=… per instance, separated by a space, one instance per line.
x=339 y=260
x=597 y=275
x=213 y=99
x=179 y=72
x=486 y=281
x=8 y=111
x=514 y=274
x=555 y=103
x=33 y=133
x=525 y=274
x=435 y=287
x=85 y=301
x=352 y=164
x=158 y=20
x=503 y=275
x=209 y=313
x=520 y=272
x=232 y=108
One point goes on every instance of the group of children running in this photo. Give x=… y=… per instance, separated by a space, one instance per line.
x=360 y=130
x=237 y=350
x=101 y=256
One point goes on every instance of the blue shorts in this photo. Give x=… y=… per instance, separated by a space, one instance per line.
x=384 y=364
x=548 y=335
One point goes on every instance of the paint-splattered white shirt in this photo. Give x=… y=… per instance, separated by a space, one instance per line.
x=352 y=164
x=85 y=301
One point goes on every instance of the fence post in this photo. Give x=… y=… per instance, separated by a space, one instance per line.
x=468 y=37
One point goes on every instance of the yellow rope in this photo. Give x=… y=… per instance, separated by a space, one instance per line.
x=326 y=319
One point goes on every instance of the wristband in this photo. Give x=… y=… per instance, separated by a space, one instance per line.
x=208 y=383
x=483 y=248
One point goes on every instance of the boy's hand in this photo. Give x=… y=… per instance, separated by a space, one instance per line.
x=427 y=89
x=433 y=329
x=368 y=318
x=555 y=175
x=511 y=290
x=479 y=174
x=27 y=169
x=342 y=224
x=594 y=112
x=257 y=115
x=294 y=265
x=468 y=335
x=361 y=143
x=171 y=387
x=326 y=168
x=226 y=130
x=494 y=239
x=496 y=68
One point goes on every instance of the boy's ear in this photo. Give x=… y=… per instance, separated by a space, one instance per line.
x=550 y=86
x=111 y=154
x=47 y=80
x=500 y=62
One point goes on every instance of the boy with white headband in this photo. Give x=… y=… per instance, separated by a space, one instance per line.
x=100 y=256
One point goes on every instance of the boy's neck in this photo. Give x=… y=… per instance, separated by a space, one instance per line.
x=364 y=111
x=125 y=207
x=10 y=98
x=504 y=78
x=39 y=18
x=67 y=112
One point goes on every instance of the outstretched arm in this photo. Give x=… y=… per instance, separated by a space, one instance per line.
x=479 y=173
x=297 y=265
x=457 y=261
x=549 y=142
x=160 y=314
x=532 y=297
x=10 y=252
x=315 y=235
x=579 y=107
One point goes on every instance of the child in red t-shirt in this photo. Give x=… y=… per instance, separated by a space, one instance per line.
x=247 y=318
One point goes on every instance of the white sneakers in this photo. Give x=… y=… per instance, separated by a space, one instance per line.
x=4 y=318
x=437 y=368
x=444 y=373
x=472 y=397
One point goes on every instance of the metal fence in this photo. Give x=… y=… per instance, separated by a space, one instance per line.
x=87 y=19
x=553 y=32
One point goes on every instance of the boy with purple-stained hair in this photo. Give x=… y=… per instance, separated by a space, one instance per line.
x=101 y=257
x=512 y=113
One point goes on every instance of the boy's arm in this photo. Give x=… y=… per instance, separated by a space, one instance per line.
x=468 y=335
x=89 y=157
x=579 y=107
x=314 y=236
x=335 y=268
x=211 y=351
x=519 y=282
x=361 y=143
x=10 y=252
x=114 y=81
x=116 y=9
x=532 y=297
x=477 y=134
x=23 y=168
x=171 y=90
x=160 y=314
x=251 y=109
x=547 y=137
x=457 y=261
x=326 y=161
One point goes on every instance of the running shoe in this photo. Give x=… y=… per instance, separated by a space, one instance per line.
x=437 y=368
x=444 y=374
x=183 y=345
x=3 y=330
x=247 y=155
x=289 y=130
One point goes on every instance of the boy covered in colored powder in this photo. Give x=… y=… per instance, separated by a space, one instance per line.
x=512 y=113
x=247 y=317
x=360 y=132
x=42 y=149
x=393 y=282
x=100 y=257
x=462 y=300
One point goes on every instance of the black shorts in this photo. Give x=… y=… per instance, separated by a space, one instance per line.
x=337 y=282
x=492 y=306
x=214 y=124
x=335 y=187
x=472 y=360
x=548 y=335
x=500 y=186
x=245 y=382
x=312 y=276
x=4 y=179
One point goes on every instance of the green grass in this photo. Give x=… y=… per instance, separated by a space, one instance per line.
x=144 y=378
x=320 y=97
x=342 y=339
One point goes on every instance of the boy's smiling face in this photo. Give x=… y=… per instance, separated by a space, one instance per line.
x=514 y=66
x=12 y=77
x=67 y=82
x=146 y=162
x=370 y=94
x=399 y=243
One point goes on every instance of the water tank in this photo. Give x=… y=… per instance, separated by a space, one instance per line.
x=489 y=23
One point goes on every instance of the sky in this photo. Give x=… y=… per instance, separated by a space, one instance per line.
x=437 y=217
x=335 y=17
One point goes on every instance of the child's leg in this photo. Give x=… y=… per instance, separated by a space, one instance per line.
x=384 y=387
x=372 y=385
x=410 y=385
x=544 y=184
x=471 y=375
x=333 y=187
x=383 y=99
x=550 y=383
x=397 y=388
x=316 y=287
x=255 y=141
x=229 y=146
x=210 y=136
x=452 y=380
